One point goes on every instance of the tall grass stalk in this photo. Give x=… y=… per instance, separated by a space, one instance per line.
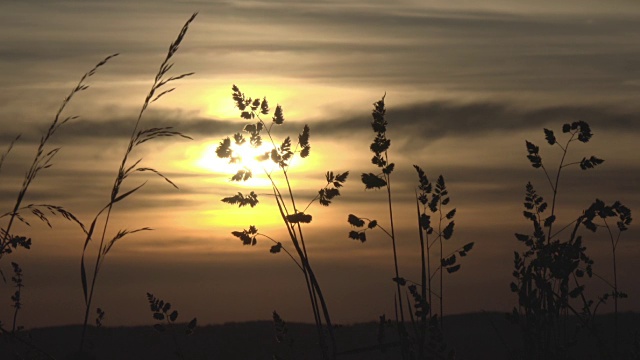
x=292 y=215
x=380 y=148
x=425 y=277
x=428 y=331
x=127 y=168
x=42 y=160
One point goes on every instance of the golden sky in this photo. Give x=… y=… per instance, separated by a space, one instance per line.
x=465 y=85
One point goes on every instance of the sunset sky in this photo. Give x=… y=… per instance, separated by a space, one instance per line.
x=466 y=83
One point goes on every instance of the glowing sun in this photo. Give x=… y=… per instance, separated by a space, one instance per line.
x=245 y=158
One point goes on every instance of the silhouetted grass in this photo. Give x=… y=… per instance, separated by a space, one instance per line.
x=42 y=160
x=128 y=168
x=292 y=215
x=9 y=241
x=163 y=312
x=551 y=274
x=425 y=340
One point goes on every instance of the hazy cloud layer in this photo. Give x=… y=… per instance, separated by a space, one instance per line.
x=425 y=121
x=479 y=50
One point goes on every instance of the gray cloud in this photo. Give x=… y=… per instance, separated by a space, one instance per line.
x=422 y=122
x=467 y=50
x=436 y=120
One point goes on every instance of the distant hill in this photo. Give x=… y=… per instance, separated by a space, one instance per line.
x=473 y=336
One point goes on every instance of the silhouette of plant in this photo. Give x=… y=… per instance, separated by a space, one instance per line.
x=16 y=334
x=292 y=215
x=550 y=272
x=17 y=296
x=99 y=317
x=163 y=312
x=127 y=169
x=9 y=241
x=427 y=328
x=379 y=147
x=42 y=160
x=282 y=337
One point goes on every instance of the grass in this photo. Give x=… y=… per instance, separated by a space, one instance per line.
x=293 y=216
x=43 y=159
x=9 y=241
x=139 y=136
x=553 y=312
x=425 y=340
x=98 y=230
x=167 y=317
x=552 y=273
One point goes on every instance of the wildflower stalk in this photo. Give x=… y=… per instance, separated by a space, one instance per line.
x=285 y=199
x=379 y=147
x=427 y=197
x=545 y=270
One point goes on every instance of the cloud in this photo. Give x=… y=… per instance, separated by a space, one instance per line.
x=470 y=49
x=437 y=120
x=423 y=121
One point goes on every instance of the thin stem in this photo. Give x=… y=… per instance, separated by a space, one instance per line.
x=325 y=312
x=615 y=287
x=158 y=82
x=305 y=268
x=38 y=163
x=283 y=249
x=385 y=231
x=429 y=276
x=175 y=340
x=563 y=229
x=393 y=241
x=565 y=150
x=302 y=254
x=15 y=319
x=546 y=173
x=440 y=267
x=423 y=287
x=313 y=287
x=18 y=304
x=94 y=278
x=315 y=197
x=577 y=314
x=316 y=291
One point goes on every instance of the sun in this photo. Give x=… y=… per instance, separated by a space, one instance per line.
x=245 y=158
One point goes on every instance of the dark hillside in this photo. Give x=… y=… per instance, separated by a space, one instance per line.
x=474 y=336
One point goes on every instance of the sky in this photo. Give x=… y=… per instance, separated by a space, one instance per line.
x=466 y=84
